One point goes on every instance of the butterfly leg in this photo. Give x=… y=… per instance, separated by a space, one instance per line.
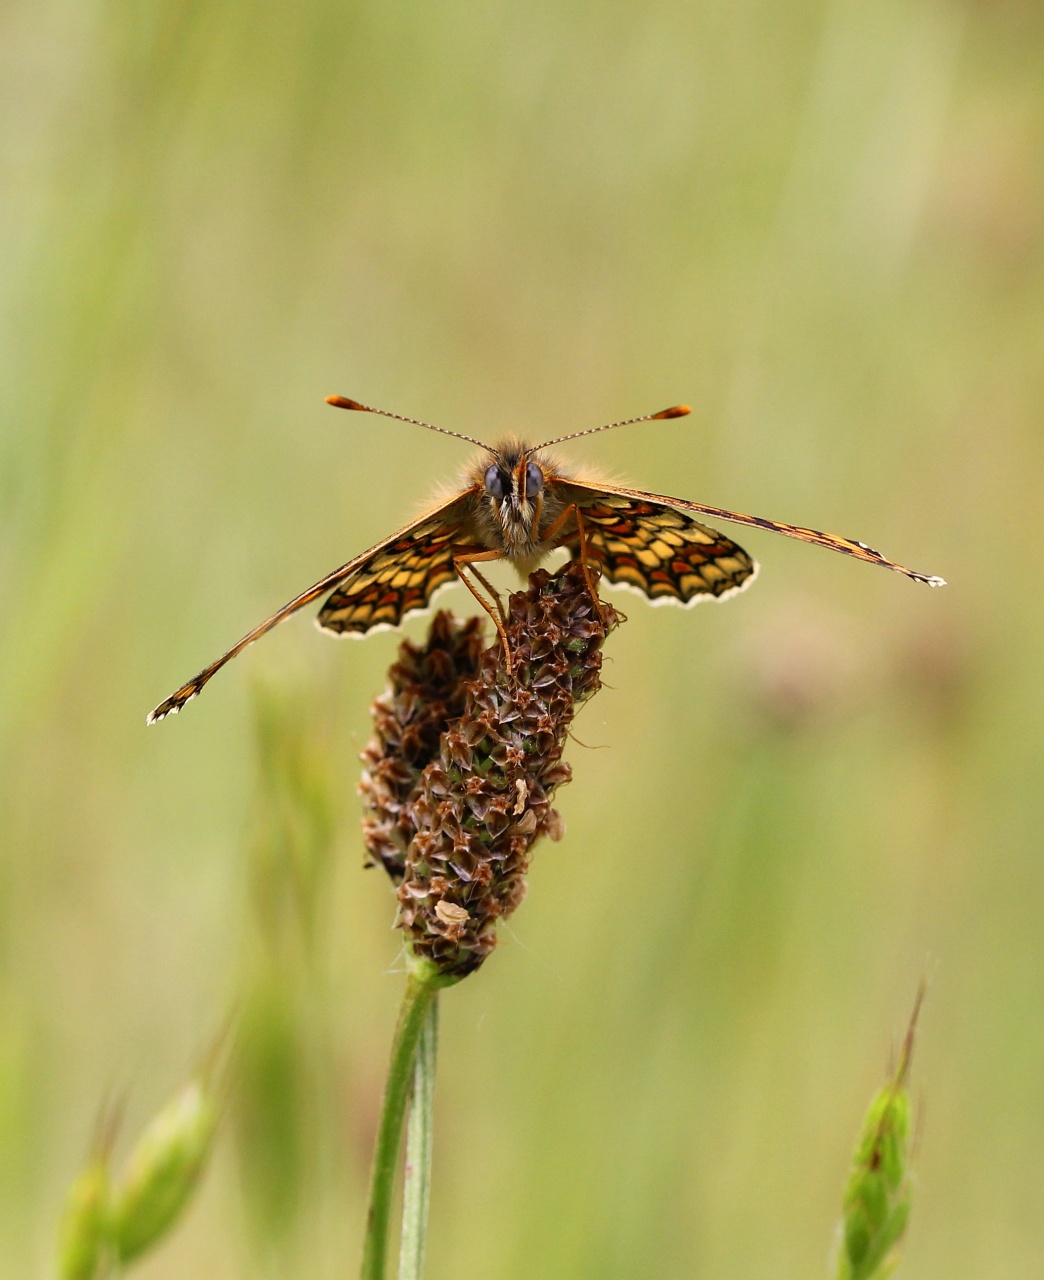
x=494 y=593
x=584 y=559
x=467 y=560
x=572 y=512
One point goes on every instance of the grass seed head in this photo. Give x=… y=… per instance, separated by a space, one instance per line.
x=83 y=1238
x=878 y=1194
x=163 y=1170
x=85 y=1233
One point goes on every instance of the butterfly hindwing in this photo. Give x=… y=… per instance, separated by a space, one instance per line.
x=400 y=578
x=424 y=545
x=662 y=553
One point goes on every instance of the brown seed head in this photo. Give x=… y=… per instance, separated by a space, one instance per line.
x=460 y=837
x=426 y=692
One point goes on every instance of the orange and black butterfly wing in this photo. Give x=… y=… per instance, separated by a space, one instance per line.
x=420 y=548
x=847 y=546
x=399 y=578
x=666 y=555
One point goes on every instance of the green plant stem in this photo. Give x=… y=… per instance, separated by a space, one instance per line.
x=416 y=1187
x=421 y=986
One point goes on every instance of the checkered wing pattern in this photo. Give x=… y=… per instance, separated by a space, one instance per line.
x=585 y=492
x=399 y=578
x=666 y=555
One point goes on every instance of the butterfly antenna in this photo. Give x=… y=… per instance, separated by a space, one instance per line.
x=342 y=402
x=675 y=411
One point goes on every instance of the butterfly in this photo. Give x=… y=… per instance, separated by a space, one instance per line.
x=517 y=503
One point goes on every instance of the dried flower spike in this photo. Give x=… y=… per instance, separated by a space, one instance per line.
x=426 y=692
x=484 y=799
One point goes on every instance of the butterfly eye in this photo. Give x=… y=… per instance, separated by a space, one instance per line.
x=534 y=480
x=498 y=485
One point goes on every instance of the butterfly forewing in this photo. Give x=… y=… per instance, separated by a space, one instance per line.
x=662 y=553
x=832 y=541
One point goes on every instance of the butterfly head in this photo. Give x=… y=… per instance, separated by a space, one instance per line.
x=513 y=480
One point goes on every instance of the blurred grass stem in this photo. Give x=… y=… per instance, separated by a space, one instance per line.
x=419 y=1133
x=421 y=987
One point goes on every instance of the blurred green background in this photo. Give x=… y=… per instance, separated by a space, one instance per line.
x=822 y=224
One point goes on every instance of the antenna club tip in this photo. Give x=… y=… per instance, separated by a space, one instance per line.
x=675 y=411
x=342 y=402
